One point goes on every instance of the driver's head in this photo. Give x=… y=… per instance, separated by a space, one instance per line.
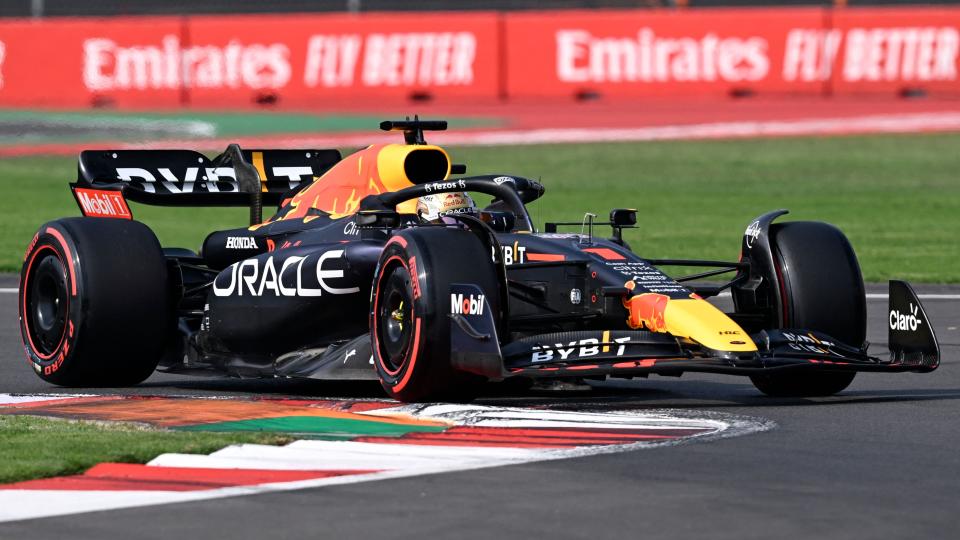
x=434 y=207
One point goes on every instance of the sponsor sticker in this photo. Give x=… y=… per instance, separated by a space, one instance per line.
x=102 y=203
x=439 y=186
x=415 y=278
x=296 y=276
x=906 y=321
x=241 y=242
x=808 y=343
x=467 y=304
x=582 y=348
x=351 y=229
x=512 y=254
x=752 y=233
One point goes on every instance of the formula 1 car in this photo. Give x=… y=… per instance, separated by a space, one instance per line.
x=345 y=281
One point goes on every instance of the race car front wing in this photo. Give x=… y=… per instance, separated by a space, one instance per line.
x=628 y=353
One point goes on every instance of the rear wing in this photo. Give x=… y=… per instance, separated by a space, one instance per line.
x=189 y=178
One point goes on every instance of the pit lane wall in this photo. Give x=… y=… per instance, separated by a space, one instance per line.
x=319 y=59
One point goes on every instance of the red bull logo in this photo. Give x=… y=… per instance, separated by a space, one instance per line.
x=647 y=311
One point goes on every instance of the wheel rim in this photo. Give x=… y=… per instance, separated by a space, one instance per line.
x=47 y=305
x=395 y=320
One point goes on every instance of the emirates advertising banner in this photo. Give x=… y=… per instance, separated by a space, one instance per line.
x=703 y=52
x=303 y=60
x=243 y=60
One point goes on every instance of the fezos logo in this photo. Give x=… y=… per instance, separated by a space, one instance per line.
x=437 y=186
x=462 y=304
x=906 y=321
x=241 y=242
x=100 y=203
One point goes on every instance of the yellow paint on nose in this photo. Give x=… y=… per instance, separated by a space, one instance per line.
x=700 y=321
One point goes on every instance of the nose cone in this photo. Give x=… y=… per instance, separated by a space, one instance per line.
x=691 y=318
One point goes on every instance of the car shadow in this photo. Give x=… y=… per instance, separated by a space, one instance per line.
x=599 y=396
x=706 y=395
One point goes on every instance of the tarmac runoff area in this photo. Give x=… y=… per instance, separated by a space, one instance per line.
x=878 y=460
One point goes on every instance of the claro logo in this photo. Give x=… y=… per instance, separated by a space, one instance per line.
x=906 y=321
x=462 y=304
x=259 y=277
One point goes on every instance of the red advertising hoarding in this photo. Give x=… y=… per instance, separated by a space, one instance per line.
x=895 y=49
x=304 y=60
x=309 y=59
x=86 y=62
x=654 y=52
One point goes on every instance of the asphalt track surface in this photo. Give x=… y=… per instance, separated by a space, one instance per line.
x=880 y=460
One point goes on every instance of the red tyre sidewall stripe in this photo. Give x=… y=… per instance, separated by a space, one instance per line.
x=408 y=367
x=24 y=290
x=69 y=256
x=411 y=364
x=376 y=311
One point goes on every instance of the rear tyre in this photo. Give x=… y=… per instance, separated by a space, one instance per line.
x=94 y=304
x=409 y=316
x=822 y=289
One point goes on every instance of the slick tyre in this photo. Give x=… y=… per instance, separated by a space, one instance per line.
x=822 y=289
x=410 y=307
x=94 y=304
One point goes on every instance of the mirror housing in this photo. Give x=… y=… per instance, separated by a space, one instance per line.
x=378 y=219
x=623 y=217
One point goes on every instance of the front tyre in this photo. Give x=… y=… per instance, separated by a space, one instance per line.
x=94 y=305
x=822 y=289
x=410 y=311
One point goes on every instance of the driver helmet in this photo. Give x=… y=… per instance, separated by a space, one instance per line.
x=435 y=207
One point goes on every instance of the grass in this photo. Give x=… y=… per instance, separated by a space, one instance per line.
x=34 y=447
x=896 y=196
